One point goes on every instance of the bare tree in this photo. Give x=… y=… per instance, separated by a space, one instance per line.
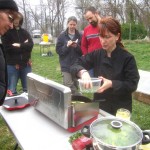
x=143 y=13
x=49 y=16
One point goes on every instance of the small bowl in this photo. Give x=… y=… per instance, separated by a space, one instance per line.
x=96 y=83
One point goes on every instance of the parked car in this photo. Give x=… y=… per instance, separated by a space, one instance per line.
x=36 y=33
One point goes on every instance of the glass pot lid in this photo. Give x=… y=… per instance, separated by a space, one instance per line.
x=116 y=132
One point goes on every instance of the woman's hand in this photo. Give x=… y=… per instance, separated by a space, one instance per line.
x=16 y=44
x=106 y=84
x=71 y=43
x=86 y=79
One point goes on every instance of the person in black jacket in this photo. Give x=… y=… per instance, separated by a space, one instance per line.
x=18 y=46
x=8 y=11
x=68 y=49
x=114 y=65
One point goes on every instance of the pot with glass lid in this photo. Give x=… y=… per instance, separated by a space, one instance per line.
x=111 y=133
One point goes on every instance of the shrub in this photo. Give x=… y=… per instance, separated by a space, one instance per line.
x=133 y=31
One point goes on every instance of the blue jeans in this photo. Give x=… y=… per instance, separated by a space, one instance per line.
x=14 y=75
x=91 y=72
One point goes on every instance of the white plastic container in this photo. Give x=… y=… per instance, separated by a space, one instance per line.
x=95 y=84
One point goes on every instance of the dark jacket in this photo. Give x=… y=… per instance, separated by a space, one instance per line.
x=3 y=77
x=121 y=68
x=67 y=55
x=17 y=55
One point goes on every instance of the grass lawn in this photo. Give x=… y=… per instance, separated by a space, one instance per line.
x=49 y=67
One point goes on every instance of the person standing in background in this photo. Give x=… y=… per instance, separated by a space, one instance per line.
x=68 y=49
x=8 y=10
x=18 y=46
x=90 y=38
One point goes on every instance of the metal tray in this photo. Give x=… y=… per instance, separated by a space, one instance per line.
x=16 y=102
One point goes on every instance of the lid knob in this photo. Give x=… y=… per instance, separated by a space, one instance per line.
x=116 y=124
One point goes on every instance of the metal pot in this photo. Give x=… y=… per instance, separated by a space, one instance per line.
x=111 y=133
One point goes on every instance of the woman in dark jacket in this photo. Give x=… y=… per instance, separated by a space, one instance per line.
x=18 y=46
x=68 y=49
x=114 y=65
x=8 y=11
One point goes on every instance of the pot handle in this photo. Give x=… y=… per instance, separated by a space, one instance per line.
x=86 y=131
x=146 y=137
